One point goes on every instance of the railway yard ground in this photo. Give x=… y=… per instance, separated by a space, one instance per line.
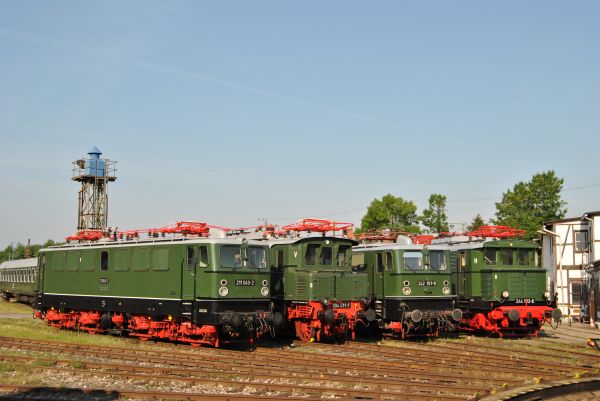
x=41 y=363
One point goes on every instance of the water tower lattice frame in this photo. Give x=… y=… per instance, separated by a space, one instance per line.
x=94 y=174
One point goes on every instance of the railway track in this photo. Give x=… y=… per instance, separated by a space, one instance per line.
x=566 y=389
x=404 y=371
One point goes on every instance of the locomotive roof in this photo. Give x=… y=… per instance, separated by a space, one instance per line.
x=297 y=240
x=155 y=242
x=500 y=243
x=383 y=246
x=11 y=264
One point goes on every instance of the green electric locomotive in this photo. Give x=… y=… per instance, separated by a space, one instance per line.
x=410 y=286
x=501 y=287
x=202 y=290
x=18 y=280
x=313 y=283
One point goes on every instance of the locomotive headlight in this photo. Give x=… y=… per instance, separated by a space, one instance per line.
x=547 y=294
x=406 y=290
x=223 y=291
x=264 y=291
x=446 y=290
x=505 y=294
x=265 y=283
x=223 y=283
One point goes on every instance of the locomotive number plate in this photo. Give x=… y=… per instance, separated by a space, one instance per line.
x=427 y=283
x=524 y=300
x=337 y=305
x=245 y=283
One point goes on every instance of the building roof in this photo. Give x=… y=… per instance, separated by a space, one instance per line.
x=596 y=213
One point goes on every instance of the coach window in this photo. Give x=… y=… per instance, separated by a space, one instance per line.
x=311 y=254
x=413 y=260
x=326 y=256
x=104 y=260
x=507 y=257
x=437 y=260
x=257 y=257
x=203 y=256
x=231 y=256
x=489 y=255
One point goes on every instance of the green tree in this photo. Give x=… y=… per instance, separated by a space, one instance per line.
x=477 y=222
x=391 y=212
x=434 y=217
x=531 y=203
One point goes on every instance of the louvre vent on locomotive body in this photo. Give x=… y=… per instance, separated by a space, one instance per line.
x=199 y=286
x=409 y=282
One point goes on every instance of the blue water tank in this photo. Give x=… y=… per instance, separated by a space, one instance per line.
x=94 y=166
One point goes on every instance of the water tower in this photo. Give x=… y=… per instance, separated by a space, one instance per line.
x=94 y=174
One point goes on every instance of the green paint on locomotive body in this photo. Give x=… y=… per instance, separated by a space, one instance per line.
x=314 y=268
x=482 y=271
x=197 y=276
x=394 y=269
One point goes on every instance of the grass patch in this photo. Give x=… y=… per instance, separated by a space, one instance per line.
x=6 y=367
x=14 y=307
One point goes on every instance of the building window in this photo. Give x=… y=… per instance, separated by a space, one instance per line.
x=581 y=241
x=576 y=293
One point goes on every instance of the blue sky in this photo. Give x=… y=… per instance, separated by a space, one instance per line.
x=229 y=112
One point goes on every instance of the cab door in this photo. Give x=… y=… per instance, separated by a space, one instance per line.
x=378 y=272
x=188 y=274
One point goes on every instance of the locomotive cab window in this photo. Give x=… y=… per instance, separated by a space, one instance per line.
x=280 y=259
x=231 y=256
x=388 y=261
x=326 y=256
x=104 y=260
x=342 y=255
x=257 y=257
x=437 y=260
x=524 y=257
x=489 y=255
x=413 y=260
x=507 y=257
x=310 y=257
x=358 y=261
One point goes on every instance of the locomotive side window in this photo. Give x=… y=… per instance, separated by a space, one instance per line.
x=280 y=259
x=257 y=257
x=489 y=255
x=310 y=257
x=231 y=256
x=191 y=258
x=379 y=263
x=389 y=261
x=437 y=260
x=326 y=256
x=104 y=260
x=413 y=260
x=358 y=260
x=507 y=257
x=342 y=255
x=203 y=256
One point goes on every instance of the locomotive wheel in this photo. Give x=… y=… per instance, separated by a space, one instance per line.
x=303 y=331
